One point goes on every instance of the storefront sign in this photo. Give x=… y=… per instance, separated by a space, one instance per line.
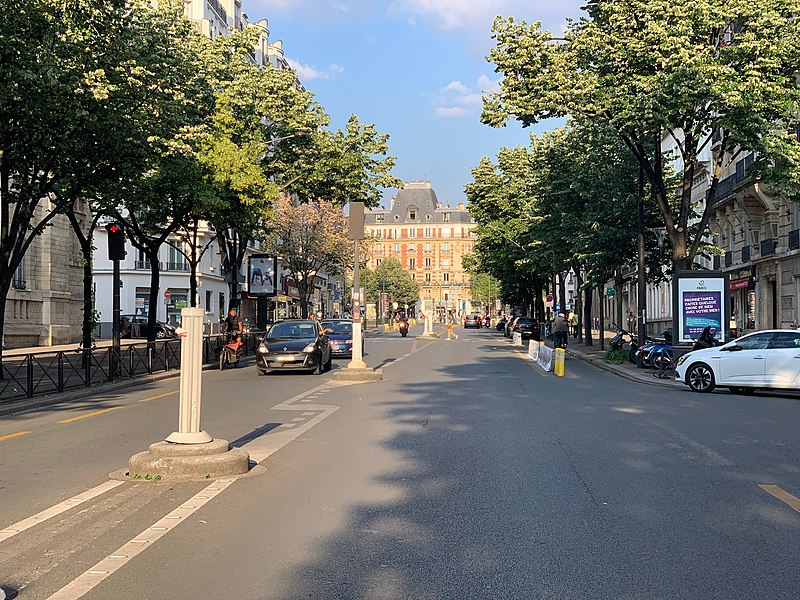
x=741 y=284
x=701 y=301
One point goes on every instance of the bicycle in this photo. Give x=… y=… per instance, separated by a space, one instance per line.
x=666 y=368
x=231 y=353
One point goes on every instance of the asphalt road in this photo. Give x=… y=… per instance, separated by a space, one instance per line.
x=467 y=473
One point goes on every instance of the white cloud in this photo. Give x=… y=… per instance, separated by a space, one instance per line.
x=457 y=99
x=455 y=86
x=452 y=14
x=307 y=72
x=449 y=112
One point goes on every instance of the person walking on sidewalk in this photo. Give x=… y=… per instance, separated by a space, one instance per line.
x=560 y=329
x=450 y=325
x=574 y=321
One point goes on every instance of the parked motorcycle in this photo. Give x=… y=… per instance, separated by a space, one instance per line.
x=707 y=339
x=619 y=341
x=657 y=353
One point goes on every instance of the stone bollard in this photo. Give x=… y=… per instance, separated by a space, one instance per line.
x=189 y=453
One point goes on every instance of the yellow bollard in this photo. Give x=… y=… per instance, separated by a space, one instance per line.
x=386 y=327
x=558 y=362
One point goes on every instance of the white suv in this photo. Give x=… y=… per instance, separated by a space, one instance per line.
x=760 y=360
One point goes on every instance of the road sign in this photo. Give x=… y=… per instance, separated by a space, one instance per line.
x=167 y=294
x=549 y=297
x=611 y=292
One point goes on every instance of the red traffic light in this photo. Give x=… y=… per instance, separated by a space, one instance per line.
x=113 y=228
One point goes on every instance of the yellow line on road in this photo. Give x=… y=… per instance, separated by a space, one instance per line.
x=782 y=495
x=159 y=396
x=13 y=435
x=91 y=414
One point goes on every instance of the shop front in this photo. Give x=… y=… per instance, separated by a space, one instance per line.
x=742 y=295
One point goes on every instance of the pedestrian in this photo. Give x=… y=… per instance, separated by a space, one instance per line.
x=574 y=321
x=631 y=321
x=560 y=331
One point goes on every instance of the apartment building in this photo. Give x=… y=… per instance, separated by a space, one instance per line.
x=429 y=240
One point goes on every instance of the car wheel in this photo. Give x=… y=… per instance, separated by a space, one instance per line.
x=743 y=391
x=700 y=378
x=161 y=334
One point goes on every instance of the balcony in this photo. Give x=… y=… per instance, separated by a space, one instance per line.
x=729 y=184
x=217 y=8
x=728 y=258
x=794 y=239
x=18 y=284
x=178 y=266
x=746 y=253
x=144 y=265
x=768 y=247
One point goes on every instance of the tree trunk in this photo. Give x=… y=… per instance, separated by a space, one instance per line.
x=88 y=299
x=562 y=293
x=155 y=277
x=5 y=285
x=578 y=298
x=538 y=301
x=587 y=315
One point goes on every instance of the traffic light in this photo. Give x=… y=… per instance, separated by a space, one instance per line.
x=116 y=241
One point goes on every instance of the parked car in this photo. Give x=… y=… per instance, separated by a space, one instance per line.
x=528 y=328
x=761 y=360
x=472 y=322
x=340 y=334
x=510 y=325
x=501 y=324
x=136 y=326
x=295 y=344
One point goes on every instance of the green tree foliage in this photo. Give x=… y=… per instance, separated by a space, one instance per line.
x=88 y=90
x=715 y=76
x=401 y=286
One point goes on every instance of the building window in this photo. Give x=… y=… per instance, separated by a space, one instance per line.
x=427 y=217
x=427 y=263
x=446 y=217
x=378 y=233
x=427 y=232
x=397 y=217
x=446 y=247
x=397 y=248
x=378 y=248
x=412 y=214
x=208 y=301
x=412 y=233
x=445 y=263
x=18 y=279
x=397 y=234
x=377 y=262
x=412 y=247
x=412 y=263
x=379 y=218
x=221 y=303
x=446 y=277
x=428 y=247
x=428 y=292
x=428 y=280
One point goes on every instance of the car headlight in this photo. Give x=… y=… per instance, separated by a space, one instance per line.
x=262 y=349
x=683 y=359
x=310 y=348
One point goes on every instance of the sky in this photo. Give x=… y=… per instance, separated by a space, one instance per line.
x=415 y=68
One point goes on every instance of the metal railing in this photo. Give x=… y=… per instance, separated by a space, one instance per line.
x=45 y=373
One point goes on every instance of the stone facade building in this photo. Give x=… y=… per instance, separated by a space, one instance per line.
x=44 y=305
x=429 y=240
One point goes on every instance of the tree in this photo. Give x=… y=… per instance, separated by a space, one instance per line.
x=715 y=76
x=308 y=238
x=400 y=286
x=87 y=89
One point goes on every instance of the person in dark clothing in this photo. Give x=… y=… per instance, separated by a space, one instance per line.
x=232 y=325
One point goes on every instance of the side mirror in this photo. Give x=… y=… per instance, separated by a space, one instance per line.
x=734 y=348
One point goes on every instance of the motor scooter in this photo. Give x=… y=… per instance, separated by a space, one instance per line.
x=402 y=326
x=660 y=354
x=619 y=341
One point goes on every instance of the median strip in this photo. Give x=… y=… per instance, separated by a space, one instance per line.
x=91 y=414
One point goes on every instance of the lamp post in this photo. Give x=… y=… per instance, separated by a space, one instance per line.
x=357 y=234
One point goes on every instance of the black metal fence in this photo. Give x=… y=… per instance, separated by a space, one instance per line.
x=44 y=373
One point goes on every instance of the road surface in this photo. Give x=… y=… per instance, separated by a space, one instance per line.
x=467 y=473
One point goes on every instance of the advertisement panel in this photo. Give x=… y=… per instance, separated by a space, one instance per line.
x=261 y=275
x=700 y=302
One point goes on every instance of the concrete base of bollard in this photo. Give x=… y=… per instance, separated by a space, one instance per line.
x=357 y=375
x=165 y=461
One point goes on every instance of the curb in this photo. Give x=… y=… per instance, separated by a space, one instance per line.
x=13 y=408
x=620 y=373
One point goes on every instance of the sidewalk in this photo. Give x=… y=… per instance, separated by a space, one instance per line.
x=627 y=370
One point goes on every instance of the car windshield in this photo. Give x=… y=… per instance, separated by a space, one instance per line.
x=292 y=331
x=339 y=327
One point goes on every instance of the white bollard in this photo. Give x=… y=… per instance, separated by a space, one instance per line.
x=189 y=431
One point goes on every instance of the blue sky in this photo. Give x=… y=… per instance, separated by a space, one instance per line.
x=415 y=68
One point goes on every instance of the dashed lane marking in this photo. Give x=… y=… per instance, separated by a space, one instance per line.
x=11 y=436
x=56 y=510
x=782 y=495
x=92 y=414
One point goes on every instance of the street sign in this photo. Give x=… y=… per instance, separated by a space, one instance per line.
x=611 y=292
x=549 y=297
x=167 y=294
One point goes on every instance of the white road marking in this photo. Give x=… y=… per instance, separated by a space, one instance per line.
x=113 y=562
x=56 y=510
